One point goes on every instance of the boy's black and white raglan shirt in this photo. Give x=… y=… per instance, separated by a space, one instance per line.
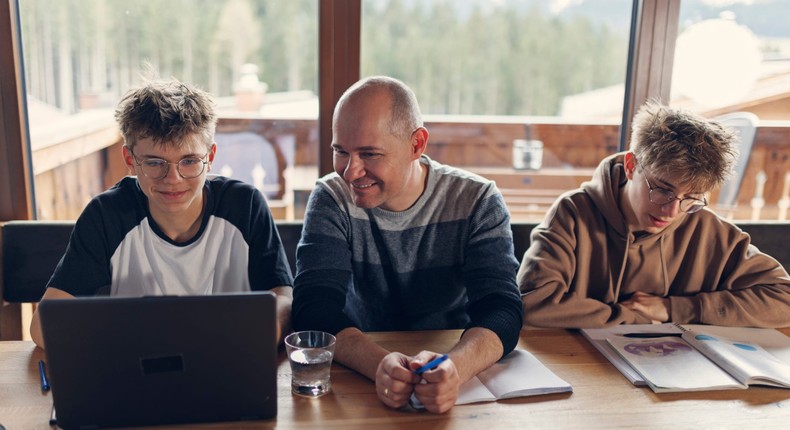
x=116 y=247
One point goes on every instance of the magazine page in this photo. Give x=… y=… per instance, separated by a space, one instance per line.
x=670 y=364
x=746 y=361
x=772 y=340
x=597 y=338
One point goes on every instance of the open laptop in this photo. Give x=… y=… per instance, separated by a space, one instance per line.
x=116 y=362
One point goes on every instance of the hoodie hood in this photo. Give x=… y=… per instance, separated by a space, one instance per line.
x=604 y=189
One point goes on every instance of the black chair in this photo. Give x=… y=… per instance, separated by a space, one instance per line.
x=31 y=250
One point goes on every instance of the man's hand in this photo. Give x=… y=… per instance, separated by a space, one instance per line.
x=654 y=307
x=394 y=380
x=394 y=375
x=438 y=389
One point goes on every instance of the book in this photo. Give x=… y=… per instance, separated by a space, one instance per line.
x=672 y=357
x=519 y=374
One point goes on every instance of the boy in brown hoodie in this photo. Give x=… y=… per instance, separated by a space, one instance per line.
x=637 y=244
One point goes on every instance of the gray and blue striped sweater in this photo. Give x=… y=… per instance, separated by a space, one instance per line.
x=445 y=263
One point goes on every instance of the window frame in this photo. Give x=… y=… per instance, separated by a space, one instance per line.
x=16 y=182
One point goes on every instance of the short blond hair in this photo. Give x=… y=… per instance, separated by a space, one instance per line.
x=168 y=112
x=698 y=152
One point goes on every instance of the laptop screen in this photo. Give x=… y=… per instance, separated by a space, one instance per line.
x=116 y=362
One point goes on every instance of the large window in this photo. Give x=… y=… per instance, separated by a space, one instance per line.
x=732 y=62
x=257 y=57
x=487 y=57
x=510 y=89
x=530 y=93
x=734 y=55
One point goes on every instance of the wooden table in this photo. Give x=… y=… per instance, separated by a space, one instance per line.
x=601 y=398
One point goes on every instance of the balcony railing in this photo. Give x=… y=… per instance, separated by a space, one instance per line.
x=76 y=163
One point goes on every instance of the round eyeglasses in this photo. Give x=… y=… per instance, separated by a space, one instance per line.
x=662 y=196
x=157 y=168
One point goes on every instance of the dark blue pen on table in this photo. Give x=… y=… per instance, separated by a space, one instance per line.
x=42 y=372
x=651 y=335
x=433 y=364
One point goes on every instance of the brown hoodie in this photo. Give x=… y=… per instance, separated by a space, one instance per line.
x=583 y=261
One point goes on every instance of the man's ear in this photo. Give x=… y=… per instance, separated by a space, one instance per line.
x=629 y=163
x=419 y=141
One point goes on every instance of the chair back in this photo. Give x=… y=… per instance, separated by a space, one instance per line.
x=30 y=252
x=745 y=123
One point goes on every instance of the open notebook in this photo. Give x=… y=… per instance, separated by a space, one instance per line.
x=519 y=374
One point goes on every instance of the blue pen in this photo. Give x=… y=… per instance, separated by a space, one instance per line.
x=42 y=372
x=433 y=364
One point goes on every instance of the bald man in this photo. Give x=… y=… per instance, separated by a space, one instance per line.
x=393 y=240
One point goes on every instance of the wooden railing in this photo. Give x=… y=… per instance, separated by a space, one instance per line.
x=80 y=164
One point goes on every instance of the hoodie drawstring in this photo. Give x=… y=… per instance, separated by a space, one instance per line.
x=622 y=267
x=663 y=265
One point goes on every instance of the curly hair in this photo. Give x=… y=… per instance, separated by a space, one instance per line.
x=697 y=152
x=169 y=112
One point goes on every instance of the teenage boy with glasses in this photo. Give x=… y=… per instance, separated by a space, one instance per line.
x=635 y=244
x=171 y=229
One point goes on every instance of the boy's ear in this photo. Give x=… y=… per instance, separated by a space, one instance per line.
x=127 y=158
x=211 y=153
x=629 y=163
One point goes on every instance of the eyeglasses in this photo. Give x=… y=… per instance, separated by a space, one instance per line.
x=157 y=168
x=662 y=196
